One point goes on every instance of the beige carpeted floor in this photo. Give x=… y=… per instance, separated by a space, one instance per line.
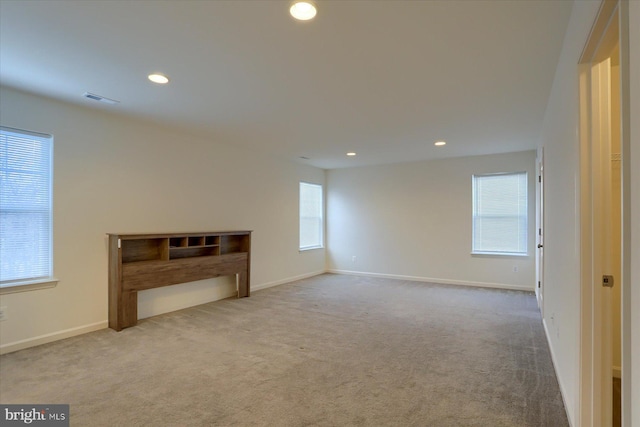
x=332 y=350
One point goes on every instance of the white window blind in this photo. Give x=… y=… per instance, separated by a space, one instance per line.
x=25 y=206
x=311 y=218
x=500 y=214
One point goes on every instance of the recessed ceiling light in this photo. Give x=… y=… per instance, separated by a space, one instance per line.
x=440 y=143
x=351 y=153
x=159 y=78
x=303 y=10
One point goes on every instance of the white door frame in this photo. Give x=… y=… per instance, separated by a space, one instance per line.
x=540 y=234
x=610 y=28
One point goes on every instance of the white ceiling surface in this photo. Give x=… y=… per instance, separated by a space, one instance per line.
x=383 y=78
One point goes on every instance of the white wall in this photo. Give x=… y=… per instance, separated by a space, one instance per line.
x=562 y=210
x=414 y=220
x=114 y=174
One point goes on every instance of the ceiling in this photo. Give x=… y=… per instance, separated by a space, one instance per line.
x=384 y=78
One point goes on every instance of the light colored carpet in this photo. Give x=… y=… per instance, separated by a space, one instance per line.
x=331 y=350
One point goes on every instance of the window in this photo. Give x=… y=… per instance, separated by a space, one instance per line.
x=25 y=207
x=311 y=222
x=500 y=214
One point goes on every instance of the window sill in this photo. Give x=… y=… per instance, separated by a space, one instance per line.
x=499 y=254
x=310 y=248
x=28 y=285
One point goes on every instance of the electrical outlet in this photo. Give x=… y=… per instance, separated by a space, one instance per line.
x=3 y=313
x=353 y=258
x=515 y=268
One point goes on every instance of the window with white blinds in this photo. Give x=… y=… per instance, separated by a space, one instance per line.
x=311 y=216
x=25 y=207
x=500 y=214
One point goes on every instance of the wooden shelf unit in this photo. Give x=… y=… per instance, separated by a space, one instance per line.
x=146 y=261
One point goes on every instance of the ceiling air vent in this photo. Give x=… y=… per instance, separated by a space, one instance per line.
x=95 y=97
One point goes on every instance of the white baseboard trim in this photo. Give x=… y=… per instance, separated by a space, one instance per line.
x=563 y=392
x=287 y=280
x=68 y=333
x=54 y=336
x=437 y=280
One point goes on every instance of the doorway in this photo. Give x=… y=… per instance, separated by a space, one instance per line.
x=603 y=76
x=540 y=234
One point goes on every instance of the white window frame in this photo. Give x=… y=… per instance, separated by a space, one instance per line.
x=45 y=279
x=523 y=215
x=318 y=217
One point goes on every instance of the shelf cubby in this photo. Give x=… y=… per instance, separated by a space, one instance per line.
x=178 y=242
x=144 y=250
x=194 y=252
x=195 y=241
x=212 y=240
